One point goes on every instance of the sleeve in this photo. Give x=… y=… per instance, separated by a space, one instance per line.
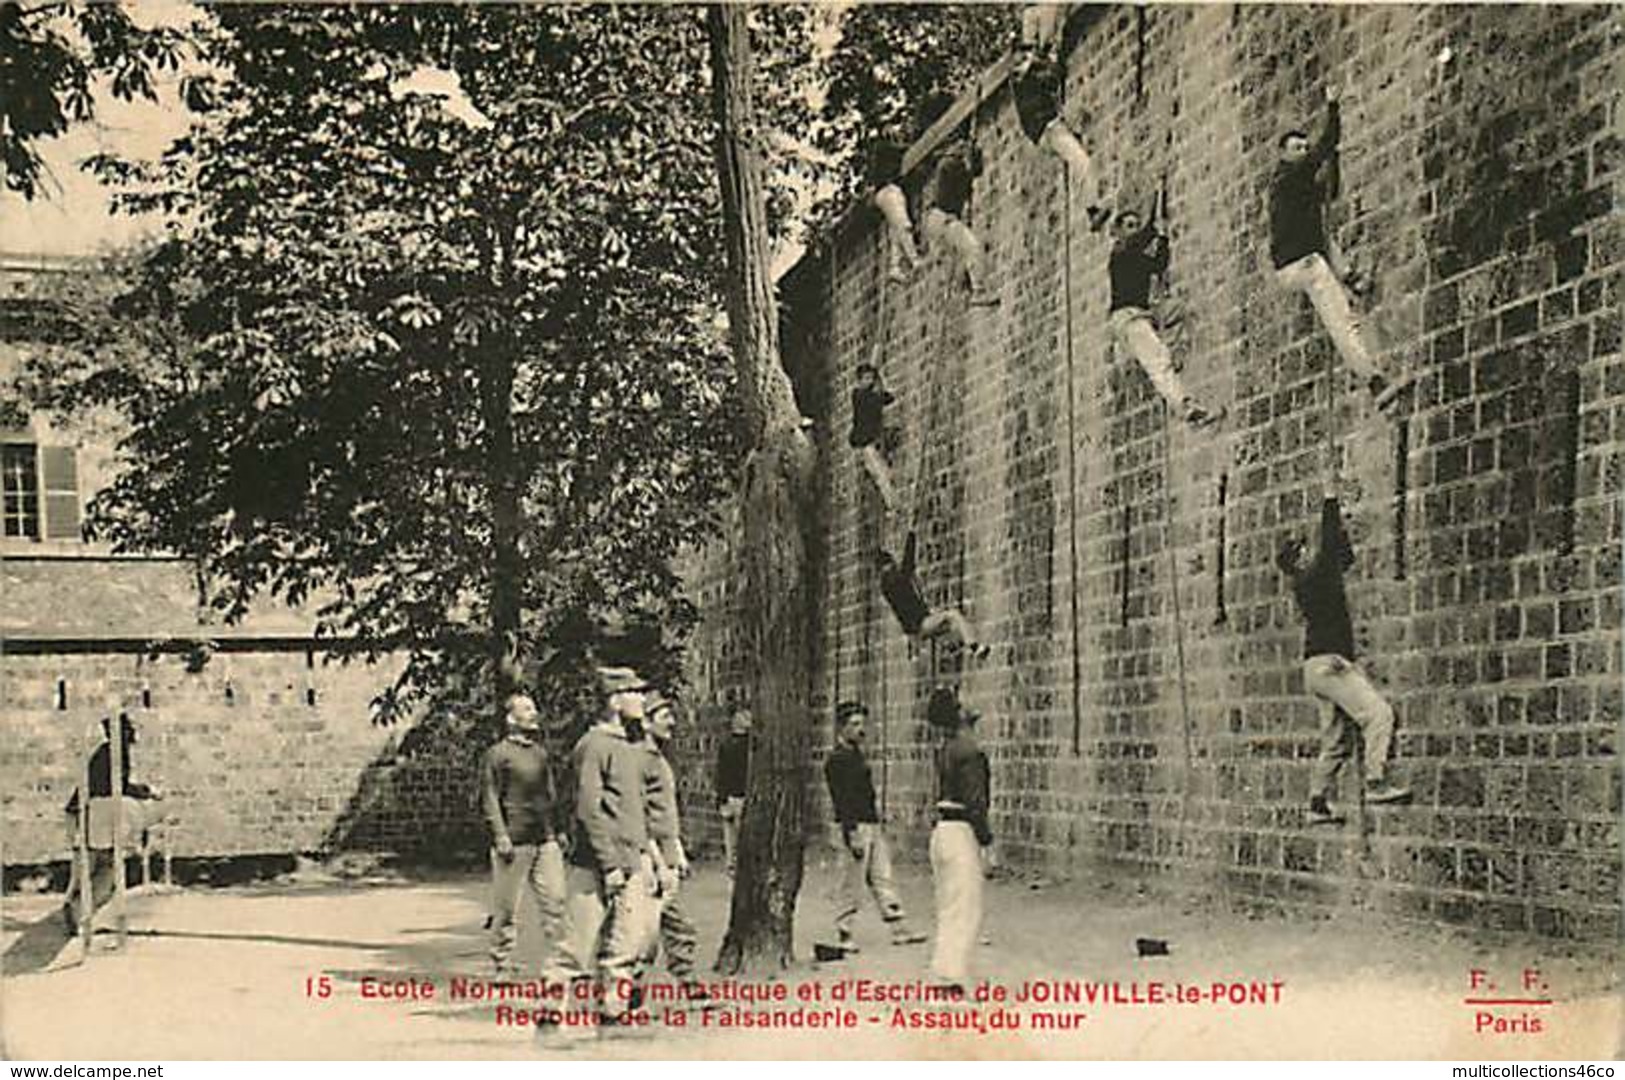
x=887 y=397
x=835 y=775
x=909 y=550
x=599 y=828
x=491 y=797
x=977 y=784
x=1335 y=548
x=719 y=779
x=1330 y=133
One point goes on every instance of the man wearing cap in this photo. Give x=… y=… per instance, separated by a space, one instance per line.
x=961 y=832
x=100 y=818
x=518 y=797
x=610 y=880
x=867 y=856
x=676 y=933
x=733 y=770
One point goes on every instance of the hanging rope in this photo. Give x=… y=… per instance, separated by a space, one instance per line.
x=835 y=344
x=1071 y=446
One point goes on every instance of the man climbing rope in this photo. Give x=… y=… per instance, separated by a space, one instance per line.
x=1139 y=253
x=947 y=194
x=901 y=587
x=867 y=862
x=885 y=173
x=518 y=796
x=869 y=400
x=960 y=838
x=1302 y=253
x=1037 y=84
x=100 y=840
x=1329 y=670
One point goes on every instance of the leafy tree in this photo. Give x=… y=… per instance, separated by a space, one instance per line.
x=52 y=58
x=457 y=379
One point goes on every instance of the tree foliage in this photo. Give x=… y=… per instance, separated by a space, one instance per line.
x=53 y=59
x=358 y=271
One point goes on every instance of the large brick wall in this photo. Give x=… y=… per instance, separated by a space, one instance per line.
x=1144 y=705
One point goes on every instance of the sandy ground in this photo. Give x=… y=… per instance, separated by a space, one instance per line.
x=225 y=974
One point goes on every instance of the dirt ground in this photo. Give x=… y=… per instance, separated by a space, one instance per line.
x=232 y=974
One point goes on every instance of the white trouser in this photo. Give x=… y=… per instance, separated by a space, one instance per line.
x=1333 y=679
x=1138 y=334
x=1312 y=275
x=956 y=872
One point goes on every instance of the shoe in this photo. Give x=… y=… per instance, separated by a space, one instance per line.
x=1383 y=392
x=908 y=937
x=981 y=652
x=984 y=299
x=1320 y=813
x=694 y=990
x=946 y=991
x=847 y=945
x=1199 y=417
x=1382 y=792
x=1098 y=216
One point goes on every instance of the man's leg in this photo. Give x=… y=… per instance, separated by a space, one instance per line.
x=1336 y=746
x=893 y=206
x=506 y=875
x=577 y=942
x=879 y=473
x=732 y=807
x=679 y=937
x=973 y=257
x=1337 y=315
x=1345 y=685
x=547 y=888
x=1139 y=336
x=884 y=890
x=623 y=942
x=957 y=874
x=849 y=885
x=1059 y=140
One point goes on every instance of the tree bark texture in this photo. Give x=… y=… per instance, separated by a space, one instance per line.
x=777 y=519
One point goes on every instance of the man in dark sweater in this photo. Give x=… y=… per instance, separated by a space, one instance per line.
x=869 y=400
x=900 y=585
x=99 y=815
x=868 y=856
x=1329 y=670
x=733 y=770
x=1304 y=258
x=519 y=799
x=1139 y=254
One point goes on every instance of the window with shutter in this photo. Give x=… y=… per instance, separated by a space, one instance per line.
x=59 y=475
x=19 y=482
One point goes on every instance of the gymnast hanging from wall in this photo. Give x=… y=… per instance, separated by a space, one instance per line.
x=868 y=435
x=1037 y=84
x=1305 y=260
x=900 y=585
x=956 y=165
x=1140 y=253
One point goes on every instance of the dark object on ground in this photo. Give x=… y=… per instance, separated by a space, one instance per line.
x=1150 y=946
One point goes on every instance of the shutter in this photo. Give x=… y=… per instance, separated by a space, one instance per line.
x=59 y=475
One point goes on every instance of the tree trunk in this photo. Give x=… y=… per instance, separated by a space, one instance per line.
x=502 y=485
x=777 y=516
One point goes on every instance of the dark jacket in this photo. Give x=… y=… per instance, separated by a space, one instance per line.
x=868 y=416
x=1135 y=260
x=733 y=767
x=660 y=801
x=1298 y=194
x=851 y=788
x=1037 y=91
x=1319 y=590
x=958 y=165
x=964 y=780
x=902 y=591
x=517 y=793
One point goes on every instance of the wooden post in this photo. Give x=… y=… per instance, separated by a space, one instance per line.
x=115 y=743
x=87 y=898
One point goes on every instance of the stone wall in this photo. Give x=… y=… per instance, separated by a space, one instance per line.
x=1144 y=707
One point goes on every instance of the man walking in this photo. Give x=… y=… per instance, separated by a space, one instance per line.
x=518 y=796
x=677 y=935
x=1330 y=673
x=1303 y=254
x=867 y=862
x=610 y=880
x=733 y=771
